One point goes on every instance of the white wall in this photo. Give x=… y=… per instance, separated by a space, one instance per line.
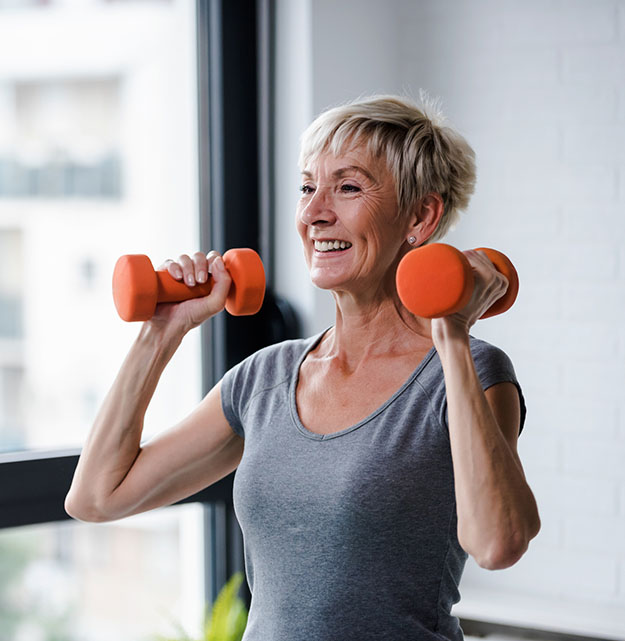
x=293 y=111
x=538 y=89
x=327 y=52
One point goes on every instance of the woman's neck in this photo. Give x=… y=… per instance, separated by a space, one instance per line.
x=363 y=332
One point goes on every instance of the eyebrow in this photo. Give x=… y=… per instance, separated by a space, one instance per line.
x=344 y=170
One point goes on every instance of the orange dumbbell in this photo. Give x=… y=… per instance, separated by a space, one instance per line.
x=437 y=280
x=138 y=288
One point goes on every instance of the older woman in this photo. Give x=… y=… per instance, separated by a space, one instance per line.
x=373 y=458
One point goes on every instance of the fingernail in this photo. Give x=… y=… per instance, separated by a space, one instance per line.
x=190 y=280
x=201 y=277
x=219 y=264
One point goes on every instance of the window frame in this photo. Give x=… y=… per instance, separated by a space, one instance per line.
x=33 y=486
x=234 y=41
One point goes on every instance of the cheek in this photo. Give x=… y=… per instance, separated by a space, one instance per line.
x=302 y=232
x=299 y=225
x=383 y=243
x=376 y=229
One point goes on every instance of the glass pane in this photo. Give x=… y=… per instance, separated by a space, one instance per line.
x=129 y=581
x=98 y=158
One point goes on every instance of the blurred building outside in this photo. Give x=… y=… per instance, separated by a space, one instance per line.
x=98 y=134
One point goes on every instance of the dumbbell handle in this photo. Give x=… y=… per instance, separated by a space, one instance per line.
x=437 y=280
x=138 y=288
x=171 y=290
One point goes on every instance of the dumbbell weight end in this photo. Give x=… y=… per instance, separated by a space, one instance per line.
x=434 y=280
x=437 y=280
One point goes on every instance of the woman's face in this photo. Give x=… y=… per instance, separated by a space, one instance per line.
x=347 y=220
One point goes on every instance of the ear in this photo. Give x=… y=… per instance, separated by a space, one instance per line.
x=428 y=214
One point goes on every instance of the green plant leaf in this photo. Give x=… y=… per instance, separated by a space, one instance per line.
x=228 y=617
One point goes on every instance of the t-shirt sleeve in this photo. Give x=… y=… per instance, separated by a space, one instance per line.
x=245 y=383
x=494 y=366
x=231 y=396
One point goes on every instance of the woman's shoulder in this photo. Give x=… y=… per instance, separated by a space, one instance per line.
x=487 y=356
x=492 y=364
x=288 y=351
x=275 y=360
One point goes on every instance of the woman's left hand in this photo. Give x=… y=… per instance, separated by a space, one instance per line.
x=489 y=286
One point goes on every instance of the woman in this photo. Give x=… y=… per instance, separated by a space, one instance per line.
x=372 y=459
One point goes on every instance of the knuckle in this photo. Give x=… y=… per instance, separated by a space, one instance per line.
x=211 y=259
x=166 y=264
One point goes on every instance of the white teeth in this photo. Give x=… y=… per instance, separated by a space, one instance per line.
x=331 y=245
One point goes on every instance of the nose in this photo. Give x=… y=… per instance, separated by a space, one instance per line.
x=318 y=210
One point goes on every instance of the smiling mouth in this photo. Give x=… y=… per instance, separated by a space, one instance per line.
x=331 y=245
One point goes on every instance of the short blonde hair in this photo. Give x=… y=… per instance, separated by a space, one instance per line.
x=422 y=153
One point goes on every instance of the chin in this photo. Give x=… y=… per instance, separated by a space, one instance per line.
x=325 y=281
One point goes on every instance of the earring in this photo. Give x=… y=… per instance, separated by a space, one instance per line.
x=412 y=240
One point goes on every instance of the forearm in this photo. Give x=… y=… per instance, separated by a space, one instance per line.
x=497 y=514
x=115 y=438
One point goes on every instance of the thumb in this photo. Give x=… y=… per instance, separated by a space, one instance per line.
x=221 y=280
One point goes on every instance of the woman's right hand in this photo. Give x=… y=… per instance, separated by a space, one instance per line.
x=191 y=270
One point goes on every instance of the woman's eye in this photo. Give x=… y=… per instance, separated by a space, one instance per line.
x=306 y=189
x=350 y=188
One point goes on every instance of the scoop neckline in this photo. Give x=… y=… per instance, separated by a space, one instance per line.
x=347 y=430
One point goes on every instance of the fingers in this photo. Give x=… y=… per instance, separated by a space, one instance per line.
x=221 y=278
x=190 y=269
x=173 y=268
x=482 y=264
x=203 y=308
x=194 y=270
x=489 y=280
x=198 y=268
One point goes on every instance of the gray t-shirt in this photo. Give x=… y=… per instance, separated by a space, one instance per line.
x=350 y=536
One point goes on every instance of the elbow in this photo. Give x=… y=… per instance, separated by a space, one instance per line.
x=82 y=510
x=506 y=550
x=500 y=556
x=78 y=511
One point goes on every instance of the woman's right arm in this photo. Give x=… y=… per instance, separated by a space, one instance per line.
x=116 y=475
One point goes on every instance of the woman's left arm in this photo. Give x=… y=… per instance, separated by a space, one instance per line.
x=497 y=512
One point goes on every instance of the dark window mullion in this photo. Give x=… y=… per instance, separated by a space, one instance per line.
x=230 y=202
x=33 y=486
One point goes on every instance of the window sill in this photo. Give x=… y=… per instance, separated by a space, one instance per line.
x=539 y=613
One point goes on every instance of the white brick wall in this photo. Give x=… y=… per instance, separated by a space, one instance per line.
x=538 y=88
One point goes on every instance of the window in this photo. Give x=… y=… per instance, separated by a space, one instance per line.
x=97 y=159
x=63 y=342
x=66 y=138
x=11 y=329
x=128 y=580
